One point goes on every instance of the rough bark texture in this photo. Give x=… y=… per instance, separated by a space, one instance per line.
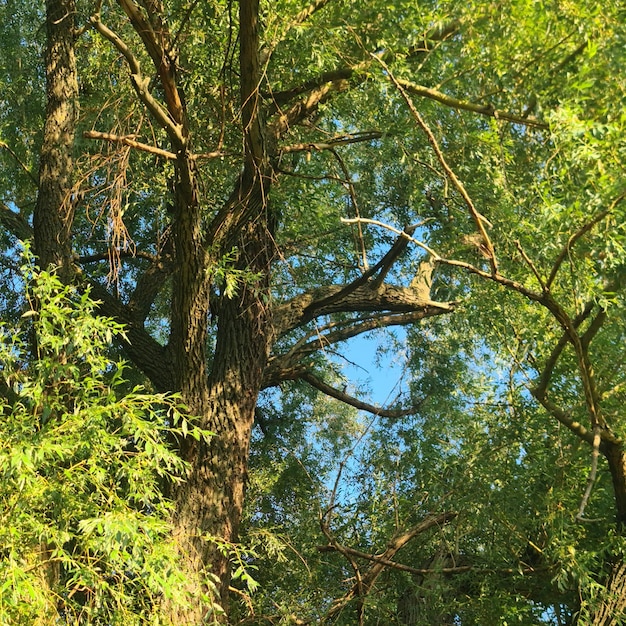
x=54 y=211
x=210 y=504
x=613 y=607
x=616 y=458
x=612 y=611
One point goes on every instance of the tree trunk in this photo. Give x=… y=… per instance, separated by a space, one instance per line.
x=54 y=210
x=612 y=610
x=209 y=504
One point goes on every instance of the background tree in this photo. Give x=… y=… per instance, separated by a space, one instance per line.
x=199 y=193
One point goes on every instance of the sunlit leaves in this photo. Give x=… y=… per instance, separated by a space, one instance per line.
x=85 y=525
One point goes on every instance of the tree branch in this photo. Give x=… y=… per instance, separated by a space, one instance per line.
x=34 y=179
x=307 y=106
x=583 y=230
x=479 y=220
x=305 y=14
x=142 y=349
x=129 y=140
x=328 y=390
x=140 y=84
x=341 y=140
x=382 y=561
x=15 y=223
x=290 y=365
x=464 y=105
x=323 y=301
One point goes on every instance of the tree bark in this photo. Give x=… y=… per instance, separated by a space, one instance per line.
x=209 y=504
x=54 y=210
x=612 y=610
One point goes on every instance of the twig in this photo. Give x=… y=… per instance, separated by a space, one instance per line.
x=479 y=219
x=592 y=473
x=129 y=140
x=365 y=220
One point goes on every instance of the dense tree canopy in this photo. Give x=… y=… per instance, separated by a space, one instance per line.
x=249 y=190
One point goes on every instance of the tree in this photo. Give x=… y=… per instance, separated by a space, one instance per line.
x=195 y=160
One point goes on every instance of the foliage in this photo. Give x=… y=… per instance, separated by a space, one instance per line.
x=468 y=121
x=85 y=534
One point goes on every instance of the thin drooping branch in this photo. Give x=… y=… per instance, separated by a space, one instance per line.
x=543 y=382
x=583 y=230
x=427 y=571
x=337 y=332
x=346 y=398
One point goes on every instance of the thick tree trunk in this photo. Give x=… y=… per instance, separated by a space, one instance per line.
x=209 y=504
x=616 y=458
x=54 y=211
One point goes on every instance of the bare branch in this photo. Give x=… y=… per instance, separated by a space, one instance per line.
x=354 y=402
x=321 y=301
x=129 y=140
x=464 y=105
x=279 y=98
x=583 y=230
